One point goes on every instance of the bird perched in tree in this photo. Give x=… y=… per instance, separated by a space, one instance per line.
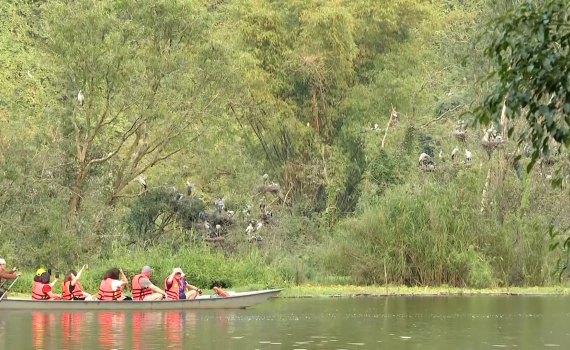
x=376 y=127
x=454 y=152
x=80 y=98
x=218 y=230
x=249 y=228
x=423 y=158
x=30 y=75
x=247 y=210
x=207 y=226
x=262 y=204
x=219 y=204
x=189 y=188
x=142 y=181
x=467 y=158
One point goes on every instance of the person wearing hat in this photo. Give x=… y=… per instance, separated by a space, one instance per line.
x=42 y=289
x=176 y=286
x=6 y=274
x=143 y=288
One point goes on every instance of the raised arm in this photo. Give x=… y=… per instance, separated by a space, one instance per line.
x=76 y=278
x=124 y=280
x=170 y=278
x=54 y=282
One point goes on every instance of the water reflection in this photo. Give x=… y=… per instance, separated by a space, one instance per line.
x=71 y=329
x=111 y=329
x=396 y=323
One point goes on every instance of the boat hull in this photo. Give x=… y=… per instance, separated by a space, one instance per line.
x=236 y=301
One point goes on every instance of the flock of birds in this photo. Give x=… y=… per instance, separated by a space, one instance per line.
x=254 y=226
x=491 y=139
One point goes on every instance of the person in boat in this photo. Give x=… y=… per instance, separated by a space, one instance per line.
x=176 y=286
x=41 y=288
x=143 y=288
x=72 y=289
x=6 y=275
x=111 y=286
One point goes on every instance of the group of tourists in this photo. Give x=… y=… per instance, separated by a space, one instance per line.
x=111 y=287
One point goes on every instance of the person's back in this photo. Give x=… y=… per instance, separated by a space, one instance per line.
x=41 y=288
x=110 y=287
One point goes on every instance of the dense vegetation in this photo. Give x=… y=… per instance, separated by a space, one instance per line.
x=334 y=100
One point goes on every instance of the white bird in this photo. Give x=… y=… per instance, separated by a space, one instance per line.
x=440 y=154
x=29 y=75
x=375 y=126
x=207 y=226
x=423 y=158
x=230 y=212
x=259 y=226
x=218 y=229
x=249 y=229
x=247 y=210
x=142 y=181
x=265 y=177
x=189 y=187
x=454 y=152
x=467 y=156
x=80 y=98
x=498 y=138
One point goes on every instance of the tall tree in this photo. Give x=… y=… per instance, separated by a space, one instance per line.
x=144 y=72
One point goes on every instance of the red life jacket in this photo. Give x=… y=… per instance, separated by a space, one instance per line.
x=106 y=291
x=77 y=291
x=174 y=291
x=37 y=291
x=138 y=291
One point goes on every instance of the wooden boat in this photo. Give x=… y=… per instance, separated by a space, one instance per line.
x=234 y=301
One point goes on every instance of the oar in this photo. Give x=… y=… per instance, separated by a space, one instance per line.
x=6 y=292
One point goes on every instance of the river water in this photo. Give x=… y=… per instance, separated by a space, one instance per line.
x=480 y=322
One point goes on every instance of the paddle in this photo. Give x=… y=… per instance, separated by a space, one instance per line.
x=6 y=292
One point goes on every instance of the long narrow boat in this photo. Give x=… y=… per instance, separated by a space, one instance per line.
x=234 y=301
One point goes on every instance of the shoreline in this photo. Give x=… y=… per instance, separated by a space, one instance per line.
x=309 y=291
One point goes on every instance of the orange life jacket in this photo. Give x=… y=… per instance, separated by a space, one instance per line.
x=174 y=291
x=138 y=291
x=220 y=292
x=106 y=291
x=77 y=291
x=37 y=291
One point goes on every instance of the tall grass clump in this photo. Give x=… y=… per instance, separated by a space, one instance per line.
x=436 y=234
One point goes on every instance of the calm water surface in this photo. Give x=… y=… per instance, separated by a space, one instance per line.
x=483 y=322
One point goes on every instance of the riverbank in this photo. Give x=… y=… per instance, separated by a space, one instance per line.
x=310 y=291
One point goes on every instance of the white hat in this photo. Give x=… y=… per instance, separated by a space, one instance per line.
x=178 y=270
x=2 y=262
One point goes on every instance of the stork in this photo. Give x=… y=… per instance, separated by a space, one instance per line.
x=189 y=187
x=467 y=156
x=454 y=152
x=423 y=158
x=142 y=181
x=80 y=98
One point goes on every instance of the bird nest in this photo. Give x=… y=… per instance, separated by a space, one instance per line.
x=460 y=135
x=271 y=188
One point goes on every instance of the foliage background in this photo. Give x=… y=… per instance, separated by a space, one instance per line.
x=220 y=92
